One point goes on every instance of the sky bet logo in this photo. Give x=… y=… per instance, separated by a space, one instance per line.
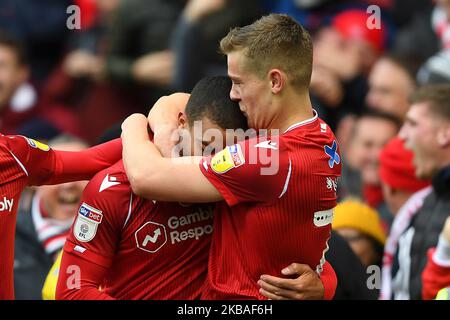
x=6 y=205
x=90 y=213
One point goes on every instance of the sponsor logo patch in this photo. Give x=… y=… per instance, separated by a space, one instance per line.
x=323 y=218
x=151 y=237
x=227 y=159
x=37 y=145
x=87 y=222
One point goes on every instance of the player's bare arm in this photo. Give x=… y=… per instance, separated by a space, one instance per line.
x=162 y=179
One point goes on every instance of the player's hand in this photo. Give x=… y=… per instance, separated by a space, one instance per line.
x=163 y=120
x=133 y=121
x=307 y=286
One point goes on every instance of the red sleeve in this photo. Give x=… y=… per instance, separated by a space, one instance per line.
x=95 y=234
x=255 y=170
x=43 y=165
x=329 y=281
x=36 y=159
x=89 y=276
x=83 y=165
x=434 y=277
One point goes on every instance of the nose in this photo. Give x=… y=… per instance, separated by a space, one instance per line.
x=234 y=95
x=402 y=133
x=372 y=100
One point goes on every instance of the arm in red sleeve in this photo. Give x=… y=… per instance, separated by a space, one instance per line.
x=43 y=165
x=250 y=171
x=93 y=240
x=329 y=281
x=86 y=287
x=83 y=165
x=434 y=277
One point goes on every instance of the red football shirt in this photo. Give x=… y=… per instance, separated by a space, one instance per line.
x=25 y=162
x=279 y=195
x=135 y=248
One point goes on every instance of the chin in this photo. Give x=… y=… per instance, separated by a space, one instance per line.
x=423 y=175
x=371 y=179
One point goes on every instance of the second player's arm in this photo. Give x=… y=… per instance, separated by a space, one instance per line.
x=83 y=165
x=80 y=279
x=42 y=165
x=158 y=178
x=92 y=243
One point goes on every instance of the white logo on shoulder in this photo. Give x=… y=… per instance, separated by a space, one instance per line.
x=108 y=182
x=323 y=218
x=6 y=205
x=87 y=222
x=268 y=144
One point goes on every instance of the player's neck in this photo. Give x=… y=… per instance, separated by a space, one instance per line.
x=294 y=110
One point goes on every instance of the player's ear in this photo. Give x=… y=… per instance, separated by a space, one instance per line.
x=443 y=136
x=277 y=80
x=182 y=120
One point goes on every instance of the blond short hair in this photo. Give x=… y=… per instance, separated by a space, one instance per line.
x=274 y=41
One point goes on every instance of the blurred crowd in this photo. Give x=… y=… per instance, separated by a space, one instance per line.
x=74 y=88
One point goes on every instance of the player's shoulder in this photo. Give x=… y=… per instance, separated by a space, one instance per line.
x=313 y=133
x=18 y=144
x=110 y=182
x=314 y=126
x=317 y=138
x=15 y=149
x=106 y=197
x=8 y=141
x=4 y=147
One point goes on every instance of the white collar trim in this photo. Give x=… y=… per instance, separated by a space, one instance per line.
x=304 y=122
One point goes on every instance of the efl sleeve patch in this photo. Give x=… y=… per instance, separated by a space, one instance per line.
x=227 y=159
x=37 y=145
x=87 y=222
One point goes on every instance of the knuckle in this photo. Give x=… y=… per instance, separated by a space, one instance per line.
x=277 y=282
x=298 y=296
x=299 y=287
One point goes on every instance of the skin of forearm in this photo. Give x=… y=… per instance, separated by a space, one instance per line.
x=137 y=151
